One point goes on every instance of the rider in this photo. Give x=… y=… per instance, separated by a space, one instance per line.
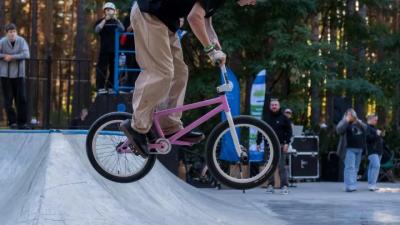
x=162 y=82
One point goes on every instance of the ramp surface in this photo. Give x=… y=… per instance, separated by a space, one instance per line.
x=46 y=179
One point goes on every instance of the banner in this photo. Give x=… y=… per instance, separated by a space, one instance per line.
x=257 y=98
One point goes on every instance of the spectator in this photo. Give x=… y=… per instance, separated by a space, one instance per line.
x=352 y=143
x=78 y=122
x=283 y=129
x=374 y=149
x=128 y=43
x=13 y=52
x=288 y=113
x=106 y=28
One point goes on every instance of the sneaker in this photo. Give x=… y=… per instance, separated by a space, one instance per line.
x=284 y=190
x=270 y=189
x=13 y=126
x=138 y=140
x=194 y=137
x=101 y=91
x=152 y=136
x=350 y=190
x=373 y=188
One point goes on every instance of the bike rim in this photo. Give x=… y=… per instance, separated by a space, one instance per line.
x=117 y=164
x=260 y=174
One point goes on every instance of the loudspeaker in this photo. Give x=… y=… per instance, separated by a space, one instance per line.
x=305 y=144
x=304 y=165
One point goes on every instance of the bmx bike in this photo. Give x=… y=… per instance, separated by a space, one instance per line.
x=228 y=147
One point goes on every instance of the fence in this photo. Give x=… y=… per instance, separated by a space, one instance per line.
x=57 y=90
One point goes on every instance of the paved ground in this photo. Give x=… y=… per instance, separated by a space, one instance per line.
x=324 y=203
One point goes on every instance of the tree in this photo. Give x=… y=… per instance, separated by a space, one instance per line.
x=2 y=14
x=81 y=90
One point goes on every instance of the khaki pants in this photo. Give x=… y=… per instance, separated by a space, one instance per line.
x=162 y=82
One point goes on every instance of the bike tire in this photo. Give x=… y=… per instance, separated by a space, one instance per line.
x=211 y=151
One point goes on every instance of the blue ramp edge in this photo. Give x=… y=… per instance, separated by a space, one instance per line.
x=43 y=131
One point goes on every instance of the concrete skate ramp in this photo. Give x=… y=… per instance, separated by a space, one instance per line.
x=46 y=179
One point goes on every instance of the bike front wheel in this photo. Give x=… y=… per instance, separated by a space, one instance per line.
x=257 y=164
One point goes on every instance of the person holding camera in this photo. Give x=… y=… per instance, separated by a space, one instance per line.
x=106 y=28
x=352 y=143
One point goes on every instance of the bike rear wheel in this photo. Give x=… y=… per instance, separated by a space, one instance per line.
x=239 y=172
x=103 y=149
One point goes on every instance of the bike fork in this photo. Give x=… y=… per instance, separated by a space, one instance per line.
x=233 y=133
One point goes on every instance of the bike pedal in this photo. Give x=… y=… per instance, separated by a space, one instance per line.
x=138 y=152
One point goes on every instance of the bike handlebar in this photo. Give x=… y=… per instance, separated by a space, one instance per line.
x=224 y=74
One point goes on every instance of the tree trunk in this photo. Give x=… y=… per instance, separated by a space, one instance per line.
x=2 y=22
x=33 y=70
x=34 y=28
x=2 y=14
x=81 y=97
x=332 y=68
x=360 y=100
x=396 y=103
x=49 y=27
x=14 y=12
x=315 y=81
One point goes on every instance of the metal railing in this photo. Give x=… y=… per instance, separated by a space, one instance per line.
x=57 y=90
x=118 y=68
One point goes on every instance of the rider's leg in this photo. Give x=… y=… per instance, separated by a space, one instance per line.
x=155 y=59
x=172 y=123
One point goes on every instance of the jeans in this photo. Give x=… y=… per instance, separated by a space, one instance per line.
x=373 y=169
x=351 y=166
x=282 y=171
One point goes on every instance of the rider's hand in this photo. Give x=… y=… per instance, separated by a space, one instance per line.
x=217 y=44
x=217 y=57
x=258 y=147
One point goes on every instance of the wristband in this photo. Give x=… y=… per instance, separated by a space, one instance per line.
x=209 y=48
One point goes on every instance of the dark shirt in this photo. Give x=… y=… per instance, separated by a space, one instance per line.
x=130 y=40
x=13 y=43
x=169 y=11
x=374 y=142
x=355 y=136
x=280 y=124
x=107 y=35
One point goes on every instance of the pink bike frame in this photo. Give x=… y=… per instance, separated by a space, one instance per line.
x=223 y=106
